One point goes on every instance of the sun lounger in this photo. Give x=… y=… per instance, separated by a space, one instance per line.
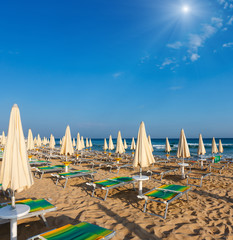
x=68 y=175
x=162 y=171
x=198 y=176
x=48 y=169
x=38 y=207
x=39 y=162
x=164 y=194
x=82 y=231
x=111 y=183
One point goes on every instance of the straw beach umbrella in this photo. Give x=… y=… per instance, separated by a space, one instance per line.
x=105 y=145
x=125 y=144
x=119 y=147
x=30 y=142
x=3 y=142
x=220 y=147
x=167 y=148
x=67 y=148
x=214 y=146
x=110 y=143
x=15 y=171
x=143 y=154
x=149 y=140
x=201 y=148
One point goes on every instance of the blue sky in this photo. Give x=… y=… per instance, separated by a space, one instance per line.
x=102 y=66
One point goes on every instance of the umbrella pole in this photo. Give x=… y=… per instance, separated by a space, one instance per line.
x=140 y=172
x=13 y=199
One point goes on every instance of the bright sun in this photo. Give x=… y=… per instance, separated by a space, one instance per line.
x=185 y=9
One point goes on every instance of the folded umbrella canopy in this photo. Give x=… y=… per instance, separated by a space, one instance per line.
x=183 y=148
x=167 y=146
x=125 y=144
x=143 y=154
x=87 y=143
x=38 y=141
x=133 y=145
x=220 y=147
x=30 y=142
x=214 y=146
x=201 y=148
x=79 y=143
x=119 y=147
x=110 y=144
x=67 y=148
x=3 y=142
x=105 y=145
x=149 y=140
x=90 y=143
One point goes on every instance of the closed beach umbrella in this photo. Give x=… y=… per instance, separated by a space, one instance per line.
x=183 y=148
x=90 y=143
x=167 y=146
x=201 y=148
x=82 y=142
x=67 y=148
x=79 y=144
x=105 y=145
x=74 y=142
x=87 y=143
x=110 y=144
x=125 y=144
x=44 y=141
x=35 y=141
x=149 y=140
x=60 y=142
x=214 y=146
x=30 y=142
x=119 y=147
x=15 y=171
x=52 y=142
x=143 y=154
x=133 y=145
x=38 y=140
x=3 y=142
x=220 y=147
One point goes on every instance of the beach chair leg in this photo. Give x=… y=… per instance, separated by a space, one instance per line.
x=165 y=214
x=41 y=176
x=118 y=169
x=187 y=196
x=93 y=192
x=133 y=187
x=161 y=178
x=201 y=181
x=44 y=220
x=106 y=195
x=57 y=181
x=187 y=180
x=66 y=182
x=144 y=210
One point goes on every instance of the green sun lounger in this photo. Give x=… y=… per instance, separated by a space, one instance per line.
x=111 y=183
x=38 y=207
x=39 y=162
x=48 y=169
x=165 y=194
x=68 y=175
x=81 y=231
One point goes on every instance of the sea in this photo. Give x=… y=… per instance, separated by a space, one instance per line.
x=159 y=145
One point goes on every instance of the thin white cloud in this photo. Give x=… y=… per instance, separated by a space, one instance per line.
x=144 y=58
x=117 y=74
x=175 y=45
x=167 y=62
x=175 y=88
x=194 y=57
x=217 y=21
x=230 y=21
x=228 y=45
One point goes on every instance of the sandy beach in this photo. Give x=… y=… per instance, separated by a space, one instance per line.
x=207 y=215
